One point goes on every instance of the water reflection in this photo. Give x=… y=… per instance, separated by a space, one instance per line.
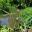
x=4 y=21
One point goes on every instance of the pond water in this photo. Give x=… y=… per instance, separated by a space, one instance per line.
x=4 y=21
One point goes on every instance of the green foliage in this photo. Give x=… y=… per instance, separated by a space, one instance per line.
x=26 y=16
x=5 y=5
x=6 y=29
